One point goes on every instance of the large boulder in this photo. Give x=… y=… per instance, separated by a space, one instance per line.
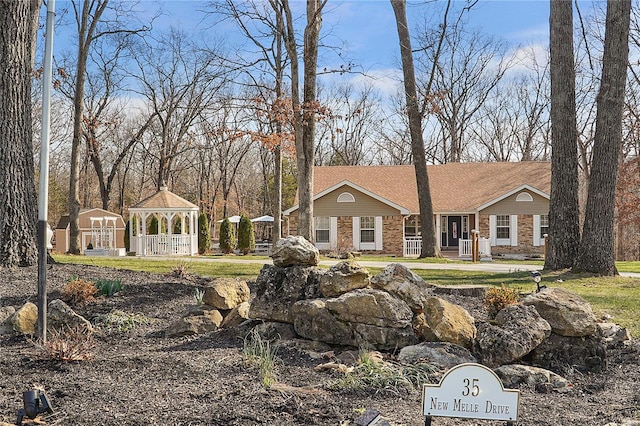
x=61 y=317
x=342 y=278
x=25 y=320
x=404 y=284
x=519 y=329
x=442 y=355
x=277 y=289
x=199 y=319
x=563 y=354
x=226 y=293
x=566 y=312
x=368 y=306
x=366 y=317
x=445 y=322
x=514 y=375
x=295 y=250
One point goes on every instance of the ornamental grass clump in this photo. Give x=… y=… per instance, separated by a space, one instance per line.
x=263 y=354
x=73 y=344
x=79 y=292
x=498 y=298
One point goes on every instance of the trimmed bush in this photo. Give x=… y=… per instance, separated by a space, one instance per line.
x=246 y=237
x=204 y=235
x=228 y=240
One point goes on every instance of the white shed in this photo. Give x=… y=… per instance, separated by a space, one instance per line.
x=176 y=232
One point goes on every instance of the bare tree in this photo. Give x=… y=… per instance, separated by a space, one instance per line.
x=91 y=25
x=597 y=251
x=18 y=206
x=564 y=232
x=305 y=111
x=429 y=244
x=469 y=67
x=348 y=132
x=179 y=80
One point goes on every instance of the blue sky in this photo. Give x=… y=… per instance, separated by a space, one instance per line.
x=365 y=29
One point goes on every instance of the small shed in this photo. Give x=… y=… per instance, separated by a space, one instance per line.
x=101 y=233
x=164 y=224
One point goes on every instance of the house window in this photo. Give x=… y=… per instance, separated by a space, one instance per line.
x=465 y=226
x=503 y=226
x=524 y=196
x=322 y=225
x=367 y=229
x=346 y=197
x=544 y=225
x=412 y=227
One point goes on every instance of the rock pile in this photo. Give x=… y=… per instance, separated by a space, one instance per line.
x=397 y=310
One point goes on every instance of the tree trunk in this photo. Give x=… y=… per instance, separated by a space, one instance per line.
x=86 y=30
x=18 y=203
x=429 y=244
x=564 y=224
x=597 y=247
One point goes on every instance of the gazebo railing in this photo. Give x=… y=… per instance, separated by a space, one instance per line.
x=163 y=245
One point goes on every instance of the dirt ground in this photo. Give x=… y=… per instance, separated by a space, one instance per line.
x=140 y=377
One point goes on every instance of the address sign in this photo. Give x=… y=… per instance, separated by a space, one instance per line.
x=471 y=391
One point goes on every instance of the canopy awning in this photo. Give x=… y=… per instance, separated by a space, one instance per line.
x=265 y=218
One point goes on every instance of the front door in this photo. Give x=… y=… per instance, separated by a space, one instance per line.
x=454 y=230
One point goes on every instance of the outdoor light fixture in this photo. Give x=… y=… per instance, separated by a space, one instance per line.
x=35 y=402
x=537 y=277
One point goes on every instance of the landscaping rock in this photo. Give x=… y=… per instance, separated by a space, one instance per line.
x=277 y=289
x=236 y=316
x=566 y=312
x=6 y=312
x=442 y=355
x=514 y=375
x=294 y=250
x=198 y=320
x=518 y=330
x=359 y=318
x=25 y=320
x=445 y=322
x=342 y=278
x=270 y=330
x=61 y=317
x=562 y=353
x=612 y=334
x=404 y=284
x=226 y=293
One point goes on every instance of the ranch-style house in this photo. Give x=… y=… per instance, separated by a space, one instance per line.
x=374 y=209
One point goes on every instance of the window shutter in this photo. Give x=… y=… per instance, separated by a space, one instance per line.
x=378 y=233
x=356 y=232
x=492 y=229
x=536 y=230
x=333 y=233
x=514 y=230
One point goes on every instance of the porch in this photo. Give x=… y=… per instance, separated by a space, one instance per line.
x=413 y=245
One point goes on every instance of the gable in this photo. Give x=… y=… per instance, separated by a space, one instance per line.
x=346 y=200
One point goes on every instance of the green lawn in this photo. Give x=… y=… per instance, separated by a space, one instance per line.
x=615 y=296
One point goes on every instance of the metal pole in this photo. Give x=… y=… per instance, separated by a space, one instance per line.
x=44 y=174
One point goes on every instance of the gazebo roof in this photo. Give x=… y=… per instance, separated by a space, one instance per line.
x=164 y=199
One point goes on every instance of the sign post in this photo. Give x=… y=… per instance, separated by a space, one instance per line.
x=470 y=391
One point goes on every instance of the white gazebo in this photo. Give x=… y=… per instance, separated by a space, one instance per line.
x=168 y=208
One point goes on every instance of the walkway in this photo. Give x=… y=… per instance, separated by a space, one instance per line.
x=465 y=266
